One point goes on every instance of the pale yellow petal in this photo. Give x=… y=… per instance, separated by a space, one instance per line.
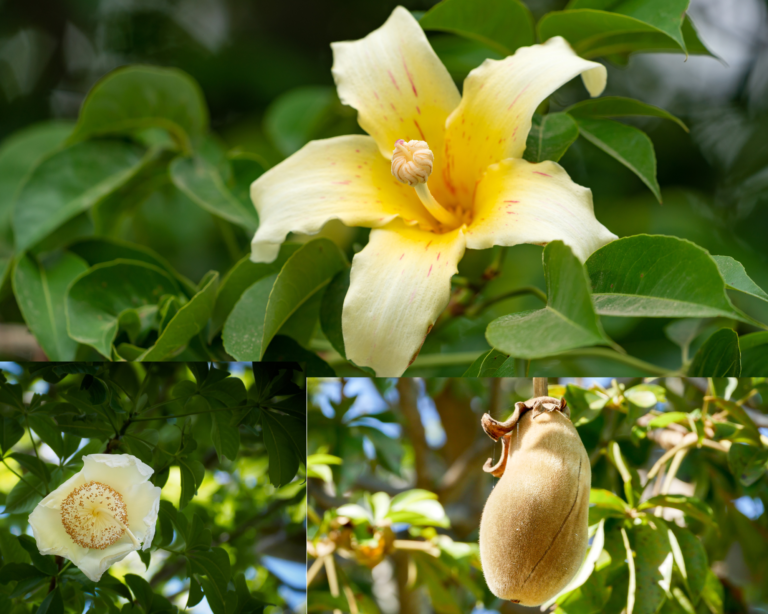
x=519 y=202
x=400 y=283
x=344 y=178
x=398 y=85
x=119 y=471
x=500 y=96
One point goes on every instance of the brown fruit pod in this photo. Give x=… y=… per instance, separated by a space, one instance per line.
x=534 y=528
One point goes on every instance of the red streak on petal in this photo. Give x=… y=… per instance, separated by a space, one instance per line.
x=392 y=77
x=518 y=96
x=428 y=244
x=410 y=77
x=438 y=255
x=375 y=93
x=393 y=107
x=538 y=173
x=401 y=257
x=430 y=270
x=347 y=182
x=357 y=151
x=418 y=110
x=511 y=201
x=423 y=138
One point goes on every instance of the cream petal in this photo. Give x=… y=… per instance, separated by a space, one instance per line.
x=398 y=85
x=500 y=96
x=120 y=471
x=343 y=178
x=400 y=283
x=143 y=503
x=94 y=563
x=519 y=202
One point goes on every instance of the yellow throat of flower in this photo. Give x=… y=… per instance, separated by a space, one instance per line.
x=412 y=163
x=94 y=515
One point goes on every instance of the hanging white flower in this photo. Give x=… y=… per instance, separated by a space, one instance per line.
x=99 y=516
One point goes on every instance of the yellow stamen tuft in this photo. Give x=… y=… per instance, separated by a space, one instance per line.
x=94 y=516
x=412 y=164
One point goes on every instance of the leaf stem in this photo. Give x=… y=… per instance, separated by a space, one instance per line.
x=195 y=413
x=21 y=477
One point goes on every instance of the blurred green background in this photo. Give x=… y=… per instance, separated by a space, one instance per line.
x=264 y=68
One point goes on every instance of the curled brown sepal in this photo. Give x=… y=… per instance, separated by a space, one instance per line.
x=501 y=430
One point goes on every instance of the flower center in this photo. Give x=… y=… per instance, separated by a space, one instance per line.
x=412 y=164
x=94 y=515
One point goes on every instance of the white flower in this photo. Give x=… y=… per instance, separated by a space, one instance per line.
x=99 y=516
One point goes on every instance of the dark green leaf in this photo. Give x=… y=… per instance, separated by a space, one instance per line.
x=188 y=322
x=585 y=405
x=69 y=182
x=241 y=277
x=567 y=322
x=32 y=464
x=214 y=564
x=718 y=357
x=502 y=25
x=203 y=183
x=192 y=474
x=331 y=308
x=195 y=593
x=226 y=438
x=24 y=496
x=87 y=427
x=754 y=353
x=12 y=572
x=137 y=97
x=141 y=590
x=627 y=144
x=10 y=432
x=695 y=557
x=618 y=106
x=550 y=137
x=52 y=604
x=486 y=364
x=97 y=298
x=736 y=278
x=748 y=463
x=657 y=276
x=712 y=594
x=284 y=439
x=652 y=548
x=283 y=349
x=46 y=564
x=296 y=117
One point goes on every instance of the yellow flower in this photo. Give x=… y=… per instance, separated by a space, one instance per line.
x=439 y=173
x=99 y=516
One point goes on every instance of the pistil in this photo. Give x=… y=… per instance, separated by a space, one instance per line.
x=412 y=164
x=95 y=516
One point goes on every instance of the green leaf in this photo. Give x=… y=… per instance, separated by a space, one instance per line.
x=97 y=298
x=550 y=137
x=52 y=604
x=754 y=353
x=283 y=438
x=297 y=116
x=629 y=27
x=33 y=465
x=226 y=438
x=139 y=97
x=712 y=594
x=305 y=273
x=186 y=324
x=195 y=593
x=203 y=183
x=627 y=144
x=69 y=182
x=695 y=560
x=567 y=322
x=736 y=278
x=585 y=405
x=97 y=250
x=241 y=277
x=618 y=106
x=141 y=590
x=652 y=549
x=502 y=25
x=46 y=564
x=13 y=572
x=331 y=309
x=719 y=356
x=657 y=276
x=19 y=154
x=24 y=496
x=747 y=463
x=10 y=433
x=486 y=364
x=667 y=418
x=693 y=507
x=600 y=497
x=214 y=564
x=192 y=474
x=40 y=292
x=285 y=349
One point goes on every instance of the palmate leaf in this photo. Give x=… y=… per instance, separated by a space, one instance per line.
x=10 y=432
x=285 y=440
x=192 y=475
x=214 y=565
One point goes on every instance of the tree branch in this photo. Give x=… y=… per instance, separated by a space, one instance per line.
x=407 y=390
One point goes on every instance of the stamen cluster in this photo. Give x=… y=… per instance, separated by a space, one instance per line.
x=94 y=515
x=412 y=162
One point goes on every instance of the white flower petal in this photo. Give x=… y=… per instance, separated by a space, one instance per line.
x=519 y=202
x=500 y=96
x=400 y=283
x=344 y=178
